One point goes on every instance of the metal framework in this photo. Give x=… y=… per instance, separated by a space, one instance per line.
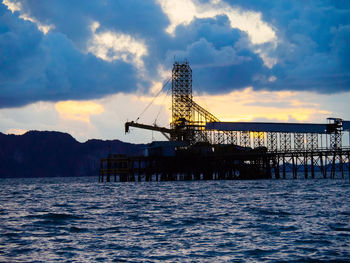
x=285 y=141
x=188 y=117
x=311 y=141
x=272 y=141
x=336 y=140
x=290 y=147
x=259 y=139
x=245 y=139
x=194 y=124
x=231 y=138
x=181 y=92
x=299 y=141
x=308 y=164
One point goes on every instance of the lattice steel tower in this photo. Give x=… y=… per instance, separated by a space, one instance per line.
x=189 y=118
x=181 y=92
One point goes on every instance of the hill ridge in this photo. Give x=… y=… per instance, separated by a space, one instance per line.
x=53 y=153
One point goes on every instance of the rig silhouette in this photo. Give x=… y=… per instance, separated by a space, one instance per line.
x=201 y=147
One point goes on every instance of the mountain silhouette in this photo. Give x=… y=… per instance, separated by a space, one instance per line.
x=52 y=154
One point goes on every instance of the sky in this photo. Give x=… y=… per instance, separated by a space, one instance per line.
x=86 y=67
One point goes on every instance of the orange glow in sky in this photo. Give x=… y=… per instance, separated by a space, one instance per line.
x=78 y=110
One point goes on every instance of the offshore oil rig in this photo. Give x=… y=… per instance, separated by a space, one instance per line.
x=201 y=147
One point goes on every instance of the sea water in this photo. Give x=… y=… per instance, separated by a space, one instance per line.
x=81 y=220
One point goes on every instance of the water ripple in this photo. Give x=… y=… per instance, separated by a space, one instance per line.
x=79 y=220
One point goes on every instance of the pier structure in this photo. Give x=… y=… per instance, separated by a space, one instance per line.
x=201 y=147
x=247 y=164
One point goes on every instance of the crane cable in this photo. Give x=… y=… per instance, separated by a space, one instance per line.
x=164 y=85
x=160 y=108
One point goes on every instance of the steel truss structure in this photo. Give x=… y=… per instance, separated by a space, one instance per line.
x=328 y=163
x=181 y=93
x=272 y=141
x=280 y=149
x=294 y=164
x=194 y=124
x=188 y=117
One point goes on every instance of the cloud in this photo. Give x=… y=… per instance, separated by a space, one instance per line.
x=250 y=105
x=78 y=110
x=17 y=6
x=36 y=66
x=101 y=118
x=111 y=46
x=233 y=106
x=219 y=55
x=16 y=131
x=97 y=48
x=141 y=19
x=222 y=57
x=311 y=38
x=185 y=11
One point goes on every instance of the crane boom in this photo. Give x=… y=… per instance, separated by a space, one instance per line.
x=163 y=130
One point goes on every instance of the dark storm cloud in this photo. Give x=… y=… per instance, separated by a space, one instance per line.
x=140 y=19
x=37 y=67
x=312 y=53
x=219 y=55
x=312 y=50
x=73 y=18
